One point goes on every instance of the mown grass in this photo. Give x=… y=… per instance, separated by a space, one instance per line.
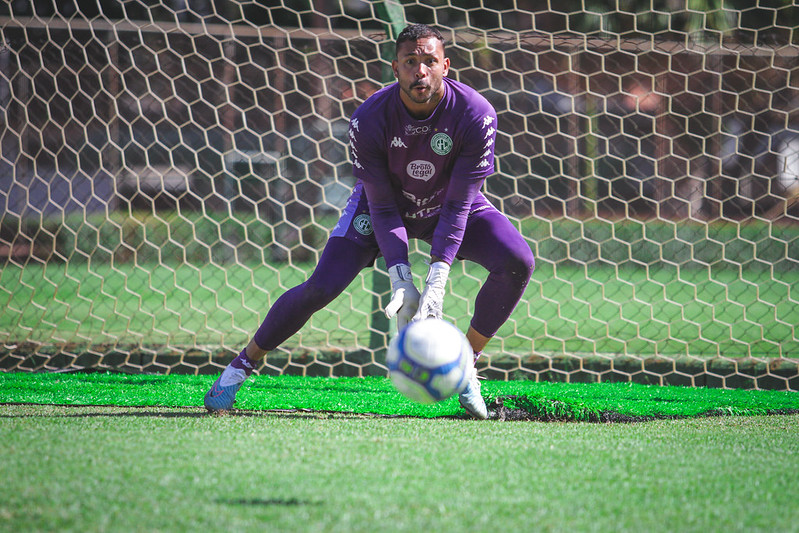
x=176 y=469
x=116 y=452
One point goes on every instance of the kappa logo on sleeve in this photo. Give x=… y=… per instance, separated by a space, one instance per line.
x=354 y=154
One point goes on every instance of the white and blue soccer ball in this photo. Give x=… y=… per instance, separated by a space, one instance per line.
x=430 y=360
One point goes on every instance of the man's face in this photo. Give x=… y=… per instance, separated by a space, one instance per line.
x=420 y=68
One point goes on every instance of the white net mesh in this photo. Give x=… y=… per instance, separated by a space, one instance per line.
x=168 y=169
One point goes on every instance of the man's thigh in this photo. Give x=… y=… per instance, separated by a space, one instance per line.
x=491 y=240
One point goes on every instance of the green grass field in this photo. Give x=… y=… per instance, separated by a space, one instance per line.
x=579 y=310
x=115 y=452
x=600 y=286
x=176 y=469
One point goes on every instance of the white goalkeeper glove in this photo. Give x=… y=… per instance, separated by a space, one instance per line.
x=404 y=295
x=431 y=303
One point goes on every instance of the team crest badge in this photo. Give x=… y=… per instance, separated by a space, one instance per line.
x=363 y=224
x=441 y=143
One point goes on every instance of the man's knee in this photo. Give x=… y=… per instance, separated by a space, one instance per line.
x=519 y=263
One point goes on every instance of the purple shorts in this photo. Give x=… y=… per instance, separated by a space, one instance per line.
x=355 y=223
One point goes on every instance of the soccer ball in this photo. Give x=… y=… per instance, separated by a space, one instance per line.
x=430 y=360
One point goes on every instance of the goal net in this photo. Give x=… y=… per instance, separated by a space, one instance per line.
x=168 y=169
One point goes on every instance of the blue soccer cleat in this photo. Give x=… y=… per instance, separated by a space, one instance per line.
x=472 y=400
x=220 y=398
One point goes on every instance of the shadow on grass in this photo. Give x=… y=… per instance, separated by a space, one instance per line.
x=269 y=502
x=112 y=411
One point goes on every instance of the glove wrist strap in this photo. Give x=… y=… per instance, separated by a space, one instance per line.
x=400 y=272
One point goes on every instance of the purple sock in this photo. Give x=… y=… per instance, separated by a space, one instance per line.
x=242 y=362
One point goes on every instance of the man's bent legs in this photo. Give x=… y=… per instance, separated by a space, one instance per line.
x=340 y=262
x=494 y=243
x=491 y=240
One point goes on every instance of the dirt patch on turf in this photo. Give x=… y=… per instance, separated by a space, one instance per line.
x=522 y=408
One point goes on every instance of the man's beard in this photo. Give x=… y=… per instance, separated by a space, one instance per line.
x=416 y=97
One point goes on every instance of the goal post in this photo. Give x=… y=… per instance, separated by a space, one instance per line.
x=168 y=169
x=392 y=15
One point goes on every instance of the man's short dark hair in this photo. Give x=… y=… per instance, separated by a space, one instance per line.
x=414 y=32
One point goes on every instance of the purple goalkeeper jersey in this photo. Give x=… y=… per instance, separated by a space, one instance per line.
x=415 y=170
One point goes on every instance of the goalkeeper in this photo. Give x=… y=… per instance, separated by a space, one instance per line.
x=421 y=149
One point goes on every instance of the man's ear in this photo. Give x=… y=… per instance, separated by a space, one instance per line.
x=394 y=66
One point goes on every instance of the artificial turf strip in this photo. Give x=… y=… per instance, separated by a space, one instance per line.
x=375 y=395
